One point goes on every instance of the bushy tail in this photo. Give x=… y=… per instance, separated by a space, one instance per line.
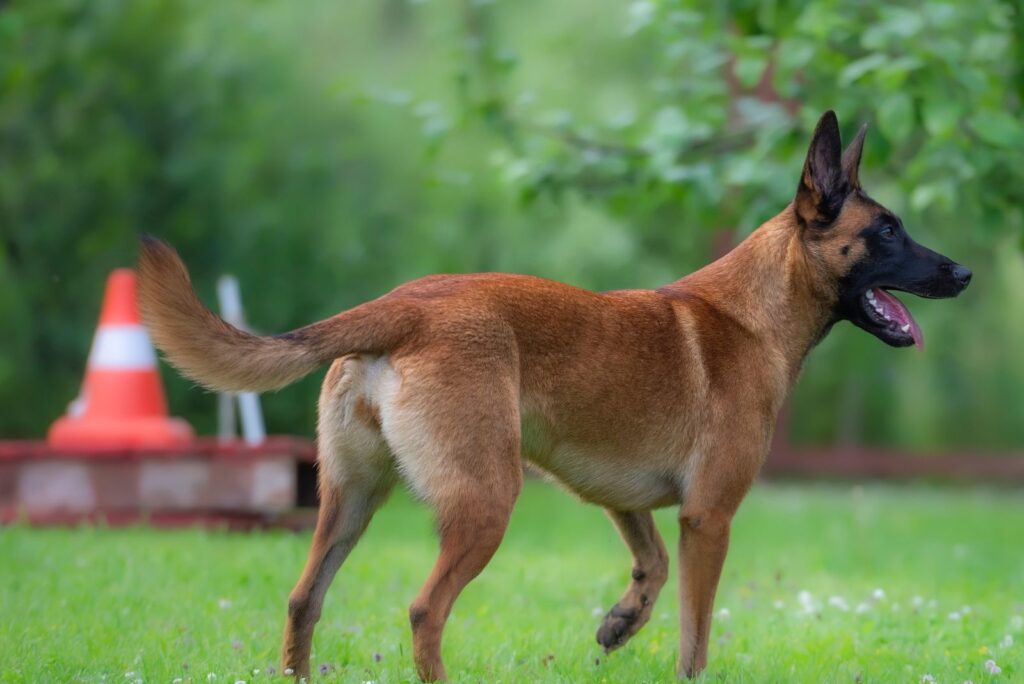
x=221 y=357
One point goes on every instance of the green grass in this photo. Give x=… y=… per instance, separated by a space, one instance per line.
x=95 y=604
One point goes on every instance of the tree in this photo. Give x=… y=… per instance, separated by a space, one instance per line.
x=733 y=90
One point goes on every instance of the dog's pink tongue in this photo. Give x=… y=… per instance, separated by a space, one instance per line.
x=895 y=310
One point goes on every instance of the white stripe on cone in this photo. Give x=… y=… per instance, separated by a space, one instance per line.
x=122 y=347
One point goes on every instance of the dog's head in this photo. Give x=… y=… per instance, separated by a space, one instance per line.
x=860 y=247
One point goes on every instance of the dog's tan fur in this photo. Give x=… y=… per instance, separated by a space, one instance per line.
x=633 y=399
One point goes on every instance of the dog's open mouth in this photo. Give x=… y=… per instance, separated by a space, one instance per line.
x=892 y=318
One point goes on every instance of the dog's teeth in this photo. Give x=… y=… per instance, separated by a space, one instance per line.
x=905 y=328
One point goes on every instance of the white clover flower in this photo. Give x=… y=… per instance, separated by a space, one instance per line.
x=779 y=604
x=917 y=602
x=289 y=671
x=862 y=608
x=210 y=677
x=1007 y=641
x=177 y=680
x=223 y=603
x=256 y=670
x=991 y=667
x=724 y=614
x=954 y=616
x=966 y=610
x=129 y=674
x=240 y=681
x=597 y=611
x=927 y=679
x=895 y=607
x=1017 y=622
x=838 y=602
x=806 y=601
x=878 y=594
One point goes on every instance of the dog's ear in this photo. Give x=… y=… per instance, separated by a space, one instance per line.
x=822 y=186
x=851 y=158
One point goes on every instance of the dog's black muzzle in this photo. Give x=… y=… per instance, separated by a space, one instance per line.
x=926 y=273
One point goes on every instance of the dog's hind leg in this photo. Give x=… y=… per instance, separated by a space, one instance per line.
x=355 y=476
x=471 y=531
x=344 y=515
x=456 y=438
x=650 y=571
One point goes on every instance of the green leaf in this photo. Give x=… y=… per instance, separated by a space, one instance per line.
x=997 y=128
x=819 y=20
x=854 y=70
x=941 y=114
x=924 y=195
x=896 y=116
x=894 y=73
x=904 y=22
x=749 y=69
x=989 y=47
x=793 y=53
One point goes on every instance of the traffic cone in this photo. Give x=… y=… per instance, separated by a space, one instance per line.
x=122 y=401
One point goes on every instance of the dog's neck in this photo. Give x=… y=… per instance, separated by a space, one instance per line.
x=772 y=288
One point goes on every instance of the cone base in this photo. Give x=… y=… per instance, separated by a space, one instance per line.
x=106 y=433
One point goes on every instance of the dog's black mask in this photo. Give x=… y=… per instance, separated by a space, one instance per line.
x=893 y=261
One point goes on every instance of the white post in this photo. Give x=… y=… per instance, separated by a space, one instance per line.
x=253 y=430
x=225 y=417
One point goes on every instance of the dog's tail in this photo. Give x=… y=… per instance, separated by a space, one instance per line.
x=221 y=357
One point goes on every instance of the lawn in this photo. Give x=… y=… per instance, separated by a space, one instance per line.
x=824 y=583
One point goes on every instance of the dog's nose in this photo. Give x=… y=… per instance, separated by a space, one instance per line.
x=962 y=275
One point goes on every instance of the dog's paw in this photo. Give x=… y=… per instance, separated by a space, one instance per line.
x=617 y=627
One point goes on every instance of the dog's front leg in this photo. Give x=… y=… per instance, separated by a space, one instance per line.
x=715 y=489
x=703 y=542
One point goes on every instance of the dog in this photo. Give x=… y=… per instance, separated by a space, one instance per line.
x=632 y=399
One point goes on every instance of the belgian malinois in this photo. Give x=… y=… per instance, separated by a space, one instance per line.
x=633 y=399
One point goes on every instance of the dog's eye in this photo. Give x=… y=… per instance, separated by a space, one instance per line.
x=888 y=232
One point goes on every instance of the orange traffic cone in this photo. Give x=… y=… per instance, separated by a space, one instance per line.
x=122 y=401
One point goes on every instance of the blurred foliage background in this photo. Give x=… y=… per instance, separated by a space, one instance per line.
x=327 y=151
